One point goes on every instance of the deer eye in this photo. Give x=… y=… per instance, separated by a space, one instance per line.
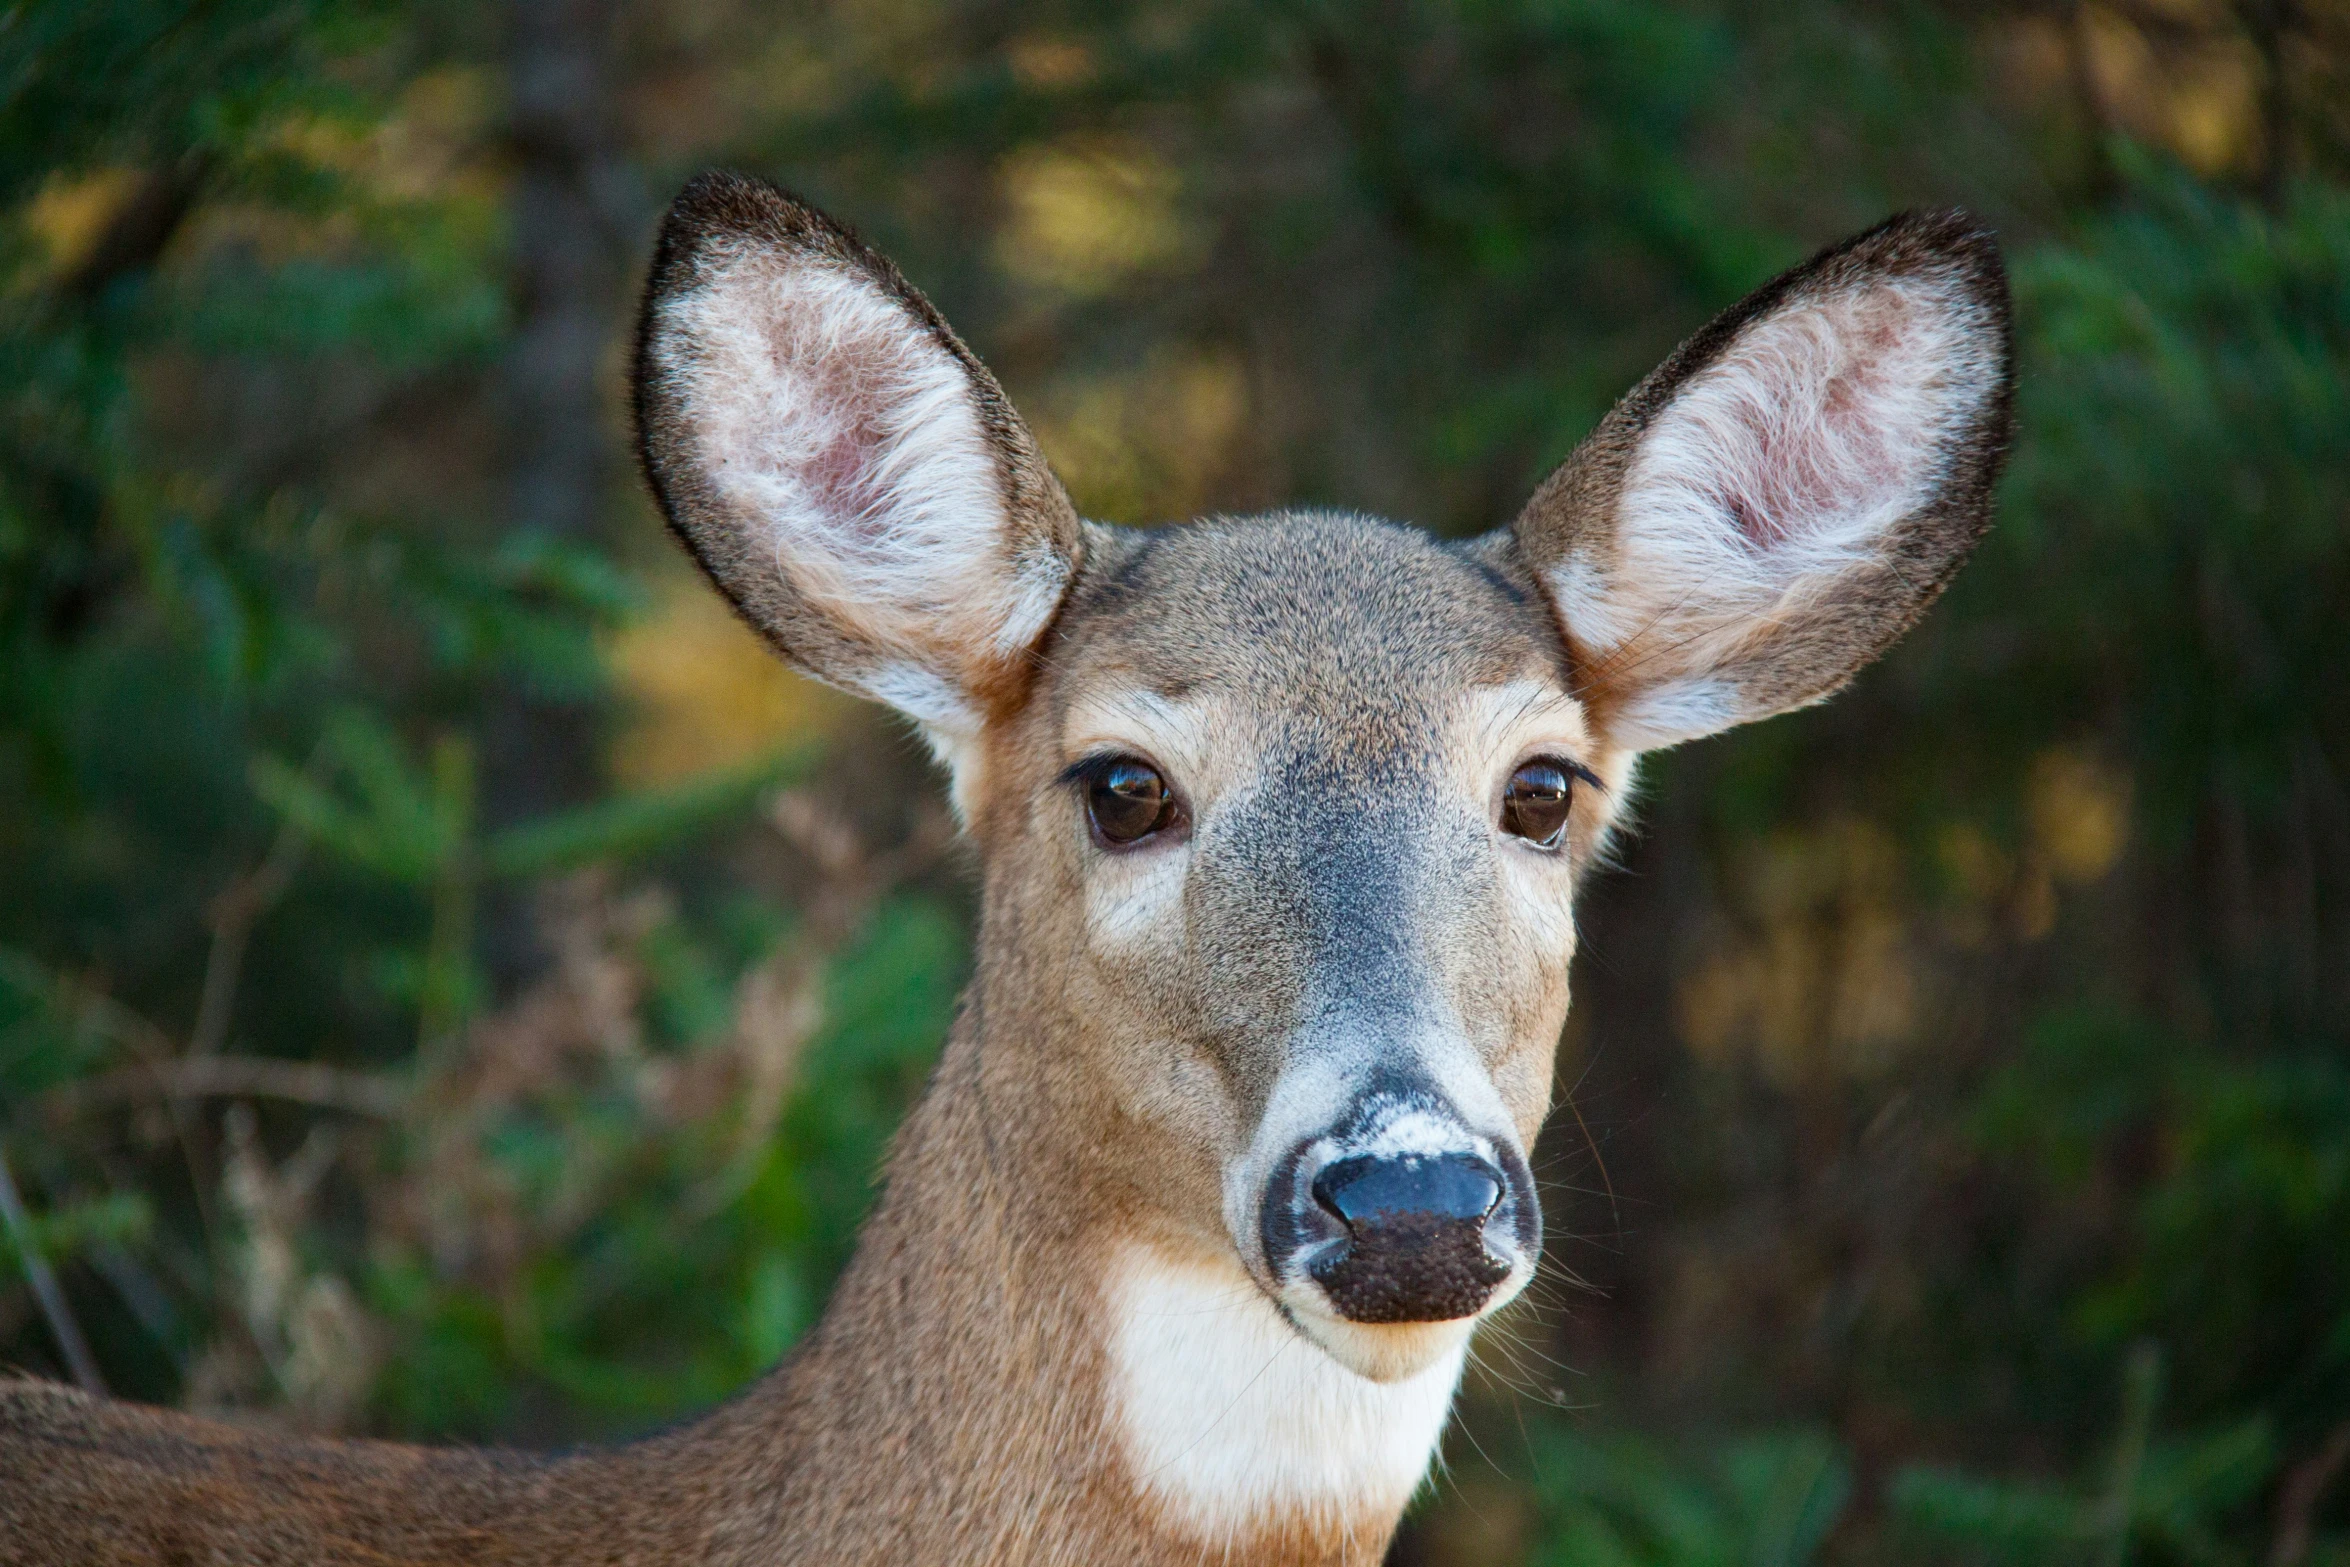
x=1534 y=806
x=1127 y=800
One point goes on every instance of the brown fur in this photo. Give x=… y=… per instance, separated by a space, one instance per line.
x=951 y=1406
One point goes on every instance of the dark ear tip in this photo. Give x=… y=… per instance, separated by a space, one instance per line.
x=1944 y=239
x=718 y=184
x=719 y=204
x=720 y=201
x=1948 y=226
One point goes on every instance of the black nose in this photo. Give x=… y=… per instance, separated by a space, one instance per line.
x=1415 y=1237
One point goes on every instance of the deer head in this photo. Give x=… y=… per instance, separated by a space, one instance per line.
x=1281 y=819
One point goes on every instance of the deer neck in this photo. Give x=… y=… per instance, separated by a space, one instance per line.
x=1021 y=1366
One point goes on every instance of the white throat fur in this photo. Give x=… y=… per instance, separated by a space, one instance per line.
x=1233 y=1421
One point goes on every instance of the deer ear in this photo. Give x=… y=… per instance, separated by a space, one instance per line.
x=841 y=465
x=1786 y=494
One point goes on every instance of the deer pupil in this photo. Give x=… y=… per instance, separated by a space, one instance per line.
x=1534 y=807
x=1128 y=801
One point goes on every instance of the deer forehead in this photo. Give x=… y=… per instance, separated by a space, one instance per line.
x=1300 y=635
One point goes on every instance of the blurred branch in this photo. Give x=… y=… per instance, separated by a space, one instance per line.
x=166 y=1073
x=566 y=282
x=126 y=1028
x=135 y=236
x=1363 y=102
x=2089 y=95
x=232 y=1077
x=447 y=991
x=232 y=917
x=2305 y=1486
x=89 y=1008
x=2271 y=24
x=2158 y=25
x=2141 y=1394
x=62 y=1326
x=307 y=452
x=780 y=1004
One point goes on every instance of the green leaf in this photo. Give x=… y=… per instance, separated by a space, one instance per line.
x=640 y=823
x=61 y=1234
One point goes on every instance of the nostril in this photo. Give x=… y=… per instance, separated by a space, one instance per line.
x=1370 y=1191
x=1326 y=1189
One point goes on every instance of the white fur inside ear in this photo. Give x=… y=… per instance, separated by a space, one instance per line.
x=827 y=415
x=1770 y=474
x=1675 y=710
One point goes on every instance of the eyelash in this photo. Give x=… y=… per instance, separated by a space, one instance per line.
x=1576 y=770
x=1092 y=769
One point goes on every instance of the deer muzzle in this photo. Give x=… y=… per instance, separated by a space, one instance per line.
x=1399 y=1212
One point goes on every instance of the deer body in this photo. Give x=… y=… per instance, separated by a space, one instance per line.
x=1279 y=823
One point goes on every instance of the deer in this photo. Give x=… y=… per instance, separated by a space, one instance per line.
x=1279 y=822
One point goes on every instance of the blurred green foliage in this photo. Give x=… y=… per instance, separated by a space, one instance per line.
x=1619 y=1501
x=1960 y=1161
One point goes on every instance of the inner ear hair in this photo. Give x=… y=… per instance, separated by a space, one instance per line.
x=840 y=463
x=1780 y=499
